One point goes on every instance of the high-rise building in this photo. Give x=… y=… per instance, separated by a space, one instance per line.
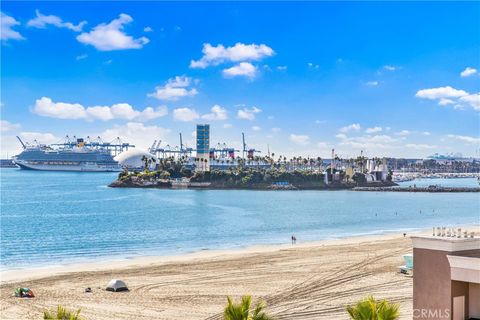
x=203 y=147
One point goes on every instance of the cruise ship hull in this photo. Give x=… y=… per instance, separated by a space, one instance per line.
x=93 y=167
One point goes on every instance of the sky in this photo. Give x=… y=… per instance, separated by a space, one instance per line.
x=389 y=78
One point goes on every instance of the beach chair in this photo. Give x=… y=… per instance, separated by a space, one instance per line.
x=408 y=259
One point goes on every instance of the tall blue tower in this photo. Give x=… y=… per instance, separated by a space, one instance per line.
x=203 y=147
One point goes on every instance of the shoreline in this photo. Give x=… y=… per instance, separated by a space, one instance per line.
x=50 y=270
x=311 y=280
x=168 y=185
x=26 y=274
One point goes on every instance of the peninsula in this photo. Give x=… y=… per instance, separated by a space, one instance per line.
x=272 y=178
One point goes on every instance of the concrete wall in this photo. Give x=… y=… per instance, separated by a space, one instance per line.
x=474 y=299
x=460 y=288
x=433 y=289
x=431 y=285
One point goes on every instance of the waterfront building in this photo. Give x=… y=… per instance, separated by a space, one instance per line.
x=446 y=276
x=135 y=159
x=202 y=161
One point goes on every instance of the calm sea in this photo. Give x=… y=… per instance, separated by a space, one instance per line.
x=61 y=217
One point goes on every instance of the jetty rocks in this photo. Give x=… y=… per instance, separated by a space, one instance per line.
x=418 y=189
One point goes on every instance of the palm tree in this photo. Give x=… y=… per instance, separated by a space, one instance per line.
x=243 y=310
x=371 y=309
x=145 y=162
x=62 y=314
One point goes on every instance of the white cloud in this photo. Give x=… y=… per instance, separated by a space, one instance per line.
x=248 y=114
x=185 y=114
x=373 y=130
x=243 y=69
x=300 y=139
x=467 y=139
x=403 y=133
x=391 y=68
x=81 y=57
x=312 y=65
x=468 y=72
x=372 y=83
x=451 y=96
x=217 y=113
x=135 y=133
x=445 y=102
x=227 y=125
x=147 y=29
x=376 y=142
x=7 y=24
x=440 y=93
x=473 y=100
x=108 y=37
x=275 y=130
x=420 y=146
x=282 y=68
x=215 y=55
x=426 y=133
x=352 y=127
x=43 y=138
x=61 y=110
x=322 y=145
x=6 y=126
x=256 y=128
x=174 y=89
x=42 y=21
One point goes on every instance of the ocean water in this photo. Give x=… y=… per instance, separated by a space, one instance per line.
x=52 y=218
x=463 y=182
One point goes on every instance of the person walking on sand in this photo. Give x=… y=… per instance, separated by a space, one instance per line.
x=294 y=240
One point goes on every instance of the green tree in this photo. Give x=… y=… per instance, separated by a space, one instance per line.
x=371 y=309
x=359 y=178
x=62 y=314
x=244 y=311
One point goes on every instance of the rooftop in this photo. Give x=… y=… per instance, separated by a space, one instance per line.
x=450 y=240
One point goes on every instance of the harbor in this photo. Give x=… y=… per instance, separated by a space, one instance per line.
x=130 y=222
x=147 y=235
x=230 y=160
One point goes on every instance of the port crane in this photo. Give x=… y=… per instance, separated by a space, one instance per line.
x=222 y=150
x=249 y=152
x=169 y=151
x=115 y=147
x=21 y=142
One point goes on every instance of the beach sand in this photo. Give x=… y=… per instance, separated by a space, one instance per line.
x=304 y=281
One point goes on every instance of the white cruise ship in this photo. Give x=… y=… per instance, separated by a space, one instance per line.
x=71 y=157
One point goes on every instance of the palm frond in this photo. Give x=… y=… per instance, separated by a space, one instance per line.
x=371 y=309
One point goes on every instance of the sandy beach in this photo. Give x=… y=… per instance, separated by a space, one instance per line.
x=313 y=280
x=304 y=281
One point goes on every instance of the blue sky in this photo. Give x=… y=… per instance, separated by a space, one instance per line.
x=392 y=79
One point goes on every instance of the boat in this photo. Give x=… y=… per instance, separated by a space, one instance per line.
x=74 y=155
